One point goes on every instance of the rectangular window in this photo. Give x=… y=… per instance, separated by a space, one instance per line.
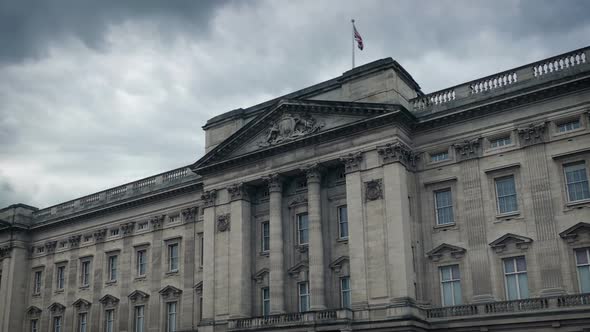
x=112 y=268
x=576 y=180
x=302 y=228
x=568 y=126
x=34 y=325
x=142 y=226
x=583 y=267
x=174 y=219
x=345 y=292
x=501 y=141
x=200 y=307
x=82 y=322
x=265 y=297
x=109 y=321
x=37 y=282
x=343 y=222
x=57 y=324
x=60 y=277
x=265 y=245
x=443 y=201
x=139 y=318
x=439 y=156
x=303 y=289
x=516 y=279
x=141 y=262
x=171 y=317
x=114 y=232
x=506 y=194
x=201 y=250
x=450 y=285
x=85 y=273
x=173 y=257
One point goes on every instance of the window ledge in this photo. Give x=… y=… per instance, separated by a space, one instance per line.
x=36 y=295
x=302 y=247
x=84 y=287
x=172 y=273
x=264 y=253
x=577 y=204
x=342 y=240
x=444 y=228
x=111 y=282
x=59 y=291
x=508 y=216
x=140 y=278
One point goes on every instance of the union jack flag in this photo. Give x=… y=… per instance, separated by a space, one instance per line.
x=358 y=38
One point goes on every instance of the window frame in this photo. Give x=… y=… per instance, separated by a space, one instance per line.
x=37 y=281
x=173 y=262
x=567 y=184
x=505 y=139
x=54 y=325
x=136 y=318
x=517 y=273
x=85 y=275
x=298 y=218
x=301 y=296
x=201 y=250
x=60 y=278
x=169 y=313
x=565 y=125
x=111 y=268
x=434 y=156
x=578 y=265
x=453 y=282
x=341 y=222
x=497 y=195
x=437 y=208
x=110 y=311
x=82 y=322
x=141 y=252
x=265 y=238
x=347 y=291
x=265 y=301
x=34 y=323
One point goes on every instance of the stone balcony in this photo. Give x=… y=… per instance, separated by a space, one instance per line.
x=530 y=310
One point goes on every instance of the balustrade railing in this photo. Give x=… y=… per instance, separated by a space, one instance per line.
x=118 y=193
x=573 y=300
x=297 y=318
x=472 y=91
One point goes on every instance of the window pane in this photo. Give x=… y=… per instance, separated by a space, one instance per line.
x=511 y=287
x=509 y=265
x=447 y=288
x=455 y=272
x=520 y=264
x=581 y=256
x=584 y=278
x=445 y=272
x=457 y=292
x=523 y=285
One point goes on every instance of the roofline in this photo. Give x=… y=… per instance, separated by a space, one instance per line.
x=318 y=88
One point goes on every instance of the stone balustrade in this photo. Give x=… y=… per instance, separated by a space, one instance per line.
x=510 y=307
x=545 y=70
x=291 y=319
x=134 y=189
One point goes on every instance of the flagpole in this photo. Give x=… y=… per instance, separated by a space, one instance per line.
x=352 y=35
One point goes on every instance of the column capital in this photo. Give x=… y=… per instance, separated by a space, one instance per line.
x=352 y=161
x=209 y=197
x=274 y=182
x=397 y=152
x=313 y=172
x=532 y=134
x=189 y=214
x=238 y=191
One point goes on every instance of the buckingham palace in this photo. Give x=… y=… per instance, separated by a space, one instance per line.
x=356 y=204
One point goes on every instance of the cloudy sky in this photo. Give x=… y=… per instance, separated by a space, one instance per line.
x=98 y=93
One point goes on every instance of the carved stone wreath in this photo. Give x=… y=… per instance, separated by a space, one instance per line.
x=374 y=190
x=223 y=223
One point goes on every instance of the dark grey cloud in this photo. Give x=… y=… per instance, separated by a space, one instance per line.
x=94 y=94
x=29 y=27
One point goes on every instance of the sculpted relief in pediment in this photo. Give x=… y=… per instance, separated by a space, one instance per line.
x=290 y=127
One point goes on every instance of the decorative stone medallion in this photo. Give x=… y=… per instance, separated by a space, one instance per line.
x=290 y=127
x=223 y=223
x=374 y=190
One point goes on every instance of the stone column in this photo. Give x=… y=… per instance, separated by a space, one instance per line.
x=316 y=243
x=209 y=258
x=397 y=158
x=15 y=270
x=277 y=270
x=158 y=251
x=97 y=282
x=240 y=258
x=356 y=227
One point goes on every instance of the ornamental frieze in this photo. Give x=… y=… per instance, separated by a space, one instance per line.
x=238 y=191
x=290 y=127
x=223 y=223
x=468 y=149
x=157 y=221
x=533 y=134
x=352 y=161
x=50 y=246
x=209 y=197
x=99 y=235
x=189 y=214
x=74 y=241
x=397 y=152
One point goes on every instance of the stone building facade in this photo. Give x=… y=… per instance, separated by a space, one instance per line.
x=357 y=204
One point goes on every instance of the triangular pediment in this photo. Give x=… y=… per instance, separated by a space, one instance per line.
x=108 y=300
x=294 y=123
x=337 y=264
x=81 y=304
x=138 y=295
x=33 y=311
x=445 y=248
x=56 y=308
x=259 y=276
x=298 y=268
x=575 y=230
x=170 y=291
x=503 y=240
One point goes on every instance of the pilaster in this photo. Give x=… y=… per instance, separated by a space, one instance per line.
x=15 y=266
x=240 y=258
x=316 y=243
x=209 y=255
x=356 y=225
